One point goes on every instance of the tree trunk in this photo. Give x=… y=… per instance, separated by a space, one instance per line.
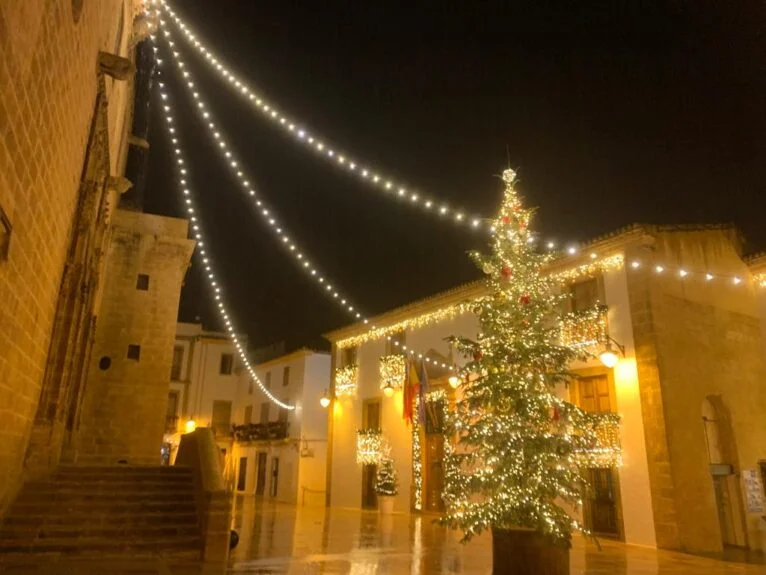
x=526 y=552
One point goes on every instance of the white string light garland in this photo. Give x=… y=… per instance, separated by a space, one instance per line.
x=340 y=159
x=371 y=176
x=203 y=254
x=266 y=213
x=269 y=216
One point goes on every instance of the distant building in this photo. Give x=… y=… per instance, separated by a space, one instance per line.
x=279 y=453
x=688 y=313
x=205 y=376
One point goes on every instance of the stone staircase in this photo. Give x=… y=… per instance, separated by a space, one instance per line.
x=106 y=511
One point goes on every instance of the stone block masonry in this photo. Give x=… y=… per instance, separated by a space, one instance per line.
x=123 y=411
x=48 y=87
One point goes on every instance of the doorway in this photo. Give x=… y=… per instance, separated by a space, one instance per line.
x=371 y=420
x=434 y=473
x=601 y=503
x=719 y=441
x=260 y=483
x=434 y=455
x=274 y=476
x=601 y=500
x=369 y=497
x=242 y=475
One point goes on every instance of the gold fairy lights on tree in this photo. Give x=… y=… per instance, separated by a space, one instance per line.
x=520 y=447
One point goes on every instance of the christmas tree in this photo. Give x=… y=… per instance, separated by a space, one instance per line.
x=386 y=481
x=519 y=447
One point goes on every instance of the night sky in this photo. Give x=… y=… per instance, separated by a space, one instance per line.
x=611 y=112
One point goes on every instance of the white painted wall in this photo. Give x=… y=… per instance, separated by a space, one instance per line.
x=346 y=480
x=302 y=459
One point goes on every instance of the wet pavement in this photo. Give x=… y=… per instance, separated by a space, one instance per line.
x=283 y=539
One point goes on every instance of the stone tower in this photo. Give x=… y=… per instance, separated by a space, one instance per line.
x=122 y=417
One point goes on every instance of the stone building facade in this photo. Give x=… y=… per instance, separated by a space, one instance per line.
x=66 y=110
x=129 y=368
x=688 y=313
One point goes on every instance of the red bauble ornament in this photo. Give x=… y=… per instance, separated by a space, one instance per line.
x=556 y=415
x=477 y=355
x=506 y=220
x=507 y=272
x=525 y=299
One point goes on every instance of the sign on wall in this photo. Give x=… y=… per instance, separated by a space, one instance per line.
x=753 y=490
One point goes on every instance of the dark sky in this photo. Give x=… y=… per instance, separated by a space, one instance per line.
x=611 y=112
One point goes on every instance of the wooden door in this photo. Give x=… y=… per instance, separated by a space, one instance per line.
x=434 y=478
x=260 y=484
x=601 y=504
x=370 y=420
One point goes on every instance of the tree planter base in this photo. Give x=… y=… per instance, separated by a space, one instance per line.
x=526 y=552
x=386 y=504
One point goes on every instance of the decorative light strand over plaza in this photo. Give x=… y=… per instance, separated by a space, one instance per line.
x=202 y=252
x=268 y=215
x=385 y=184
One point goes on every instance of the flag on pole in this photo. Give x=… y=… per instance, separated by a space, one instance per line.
x=411 y=385
x=422 y=390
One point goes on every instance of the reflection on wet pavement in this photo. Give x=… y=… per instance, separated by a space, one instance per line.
x=278 y=538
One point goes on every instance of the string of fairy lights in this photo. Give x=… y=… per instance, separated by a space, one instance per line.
x=397 y=191
x=321 y=146
x=267 y=214
x=203 y=252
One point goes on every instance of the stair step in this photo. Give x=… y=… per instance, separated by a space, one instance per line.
x=128 y=532
x=117 y=469
x=100 y=546
x=103 y=489
x=104 y=496
x=135 y=518
x=102 y=507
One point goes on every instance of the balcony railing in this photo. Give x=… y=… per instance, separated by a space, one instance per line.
x=171 y=424
x=586 y=329
x=346 y=380
x=261 y=431
x=393 y=370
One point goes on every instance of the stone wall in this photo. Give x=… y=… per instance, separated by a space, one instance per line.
x=123 y=412
x=48 y=87
x=695 y=340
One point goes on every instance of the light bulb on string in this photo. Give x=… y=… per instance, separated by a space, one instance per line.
x=212 y=281
x=290 y=245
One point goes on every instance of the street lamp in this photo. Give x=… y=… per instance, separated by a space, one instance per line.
x=324 y=401
x=388 y=391
x=454 y=381
x=608 y=356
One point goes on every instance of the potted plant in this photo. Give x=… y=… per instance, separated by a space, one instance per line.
x=386 y=485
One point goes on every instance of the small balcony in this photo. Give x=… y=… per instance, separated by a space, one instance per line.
x=346 y=380
x=171 y=424
x=273 y=430
x=584 y=330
